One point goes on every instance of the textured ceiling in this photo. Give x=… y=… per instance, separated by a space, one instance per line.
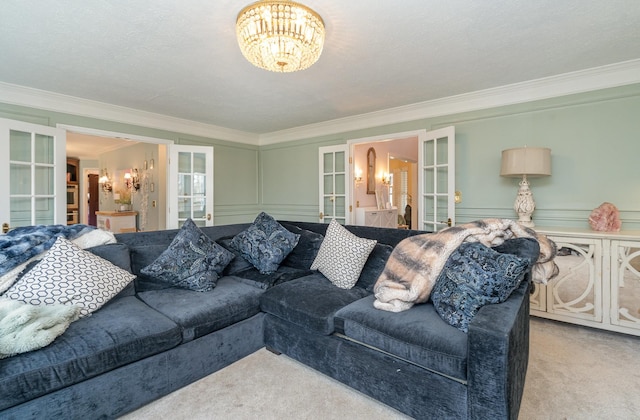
x=180 y=58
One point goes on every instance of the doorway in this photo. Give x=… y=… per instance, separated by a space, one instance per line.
x=433 y=200
x=395 y=172
x=403 y=187
x=93 y=199
x=113 y=154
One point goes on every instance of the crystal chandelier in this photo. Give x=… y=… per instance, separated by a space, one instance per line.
x=280 y=36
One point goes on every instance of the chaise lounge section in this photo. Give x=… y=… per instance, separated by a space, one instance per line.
x=152 y=339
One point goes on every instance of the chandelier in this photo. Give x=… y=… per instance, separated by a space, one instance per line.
x=280 y=36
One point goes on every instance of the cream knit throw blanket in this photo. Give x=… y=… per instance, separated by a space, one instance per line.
x=25 y=327
x=416 y=262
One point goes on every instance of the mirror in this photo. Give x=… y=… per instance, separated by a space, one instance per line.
x=371 y=171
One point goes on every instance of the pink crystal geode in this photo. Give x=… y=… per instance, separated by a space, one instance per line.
x=605 y=218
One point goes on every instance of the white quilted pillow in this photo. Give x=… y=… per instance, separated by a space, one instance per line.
x=71 y=276
x=342 y=255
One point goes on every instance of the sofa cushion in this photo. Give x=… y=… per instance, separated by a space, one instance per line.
x=118 y=254
x=305 y=252
x=239 y=263
x=476 y=275
x=72 y=276
x=200 y=313
x=121 y=332
x=141 y=257
x=342 y=255
x=265 y=243
x=309 y=302
x=374 y=266
x=192 y=261
x=418 y=335
x=265 y=281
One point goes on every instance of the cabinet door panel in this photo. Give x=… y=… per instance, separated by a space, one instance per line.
x=577 y=290
x=625 y=284
x=538 y=297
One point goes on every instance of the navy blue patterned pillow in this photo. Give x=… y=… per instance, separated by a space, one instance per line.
x=475 y=275
x=265 y=243
x=192 y=260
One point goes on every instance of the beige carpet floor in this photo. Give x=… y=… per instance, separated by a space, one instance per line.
x=574 y=373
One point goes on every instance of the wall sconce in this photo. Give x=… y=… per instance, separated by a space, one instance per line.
x=105 y=182
x=136 y=179
x=132 y=179
x=127 y=179
x=523 y=162
x=385 y=178
x=358 y=176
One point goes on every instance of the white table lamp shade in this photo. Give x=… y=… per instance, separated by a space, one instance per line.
x=530 y=161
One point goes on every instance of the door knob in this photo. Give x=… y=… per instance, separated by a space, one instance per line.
x=448 y=222
x=5 y=227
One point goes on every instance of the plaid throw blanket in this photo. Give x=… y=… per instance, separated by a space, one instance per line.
x=416 y=262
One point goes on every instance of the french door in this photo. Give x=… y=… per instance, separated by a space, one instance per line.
x=334 y=192
x=33 y=174
x=436 y=179
x=190 y=185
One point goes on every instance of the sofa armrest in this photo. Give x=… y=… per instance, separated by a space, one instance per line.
x=498 y=355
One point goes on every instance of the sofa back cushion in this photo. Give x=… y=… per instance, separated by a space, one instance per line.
x=118 y=254
x=374 y=266
x=142 y=256
x=305 y=252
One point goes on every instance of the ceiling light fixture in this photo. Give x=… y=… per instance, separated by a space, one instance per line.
x=281 y=36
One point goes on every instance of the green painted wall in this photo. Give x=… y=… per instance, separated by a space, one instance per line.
x=594 y=140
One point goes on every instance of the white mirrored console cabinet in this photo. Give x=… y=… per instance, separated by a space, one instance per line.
x=599 y=280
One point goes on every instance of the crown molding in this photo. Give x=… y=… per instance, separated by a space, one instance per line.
x=596 y=78
x=51 y=101
x=609 y=76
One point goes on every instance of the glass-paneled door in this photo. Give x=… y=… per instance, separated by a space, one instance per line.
x=32 y=170
x=436 y=181
x=334 y=194
x=190 y=185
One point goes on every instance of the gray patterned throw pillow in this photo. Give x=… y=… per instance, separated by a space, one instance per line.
x=265 y=243
x=192 y=261
x=342 y=255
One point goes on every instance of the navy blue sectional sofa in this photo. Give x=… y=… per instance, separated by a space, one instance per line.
x=151 y=340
